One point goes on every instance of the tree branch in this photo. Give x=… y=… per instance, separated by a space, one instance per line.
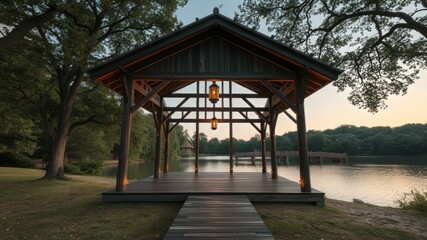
x=412 y=24
x=91 y=119
x=16 y=36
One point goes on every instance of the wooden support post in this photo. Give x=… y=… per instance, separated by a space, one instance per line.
x=305 y=183
x=263 y=161
x=122 y=169
x=222 y=98
x=166 y=154
x=206 y=99
x=230 y=149
x=159 y=134
x=196 y=144
x=273 y=140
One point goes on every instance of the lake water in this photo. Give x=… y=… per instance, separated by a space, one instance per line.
x=375 y=180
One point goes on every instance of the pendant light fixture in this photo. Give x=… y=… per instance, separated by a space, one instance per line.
x=213 y=93
x=214 y=121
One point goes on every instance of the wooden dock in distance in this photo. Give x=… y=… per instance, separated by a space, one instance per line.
x=177 y=186
x=314 y=157
x=218 y=217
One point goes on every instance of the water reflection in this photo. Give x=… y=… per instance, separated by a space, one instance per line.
x=366 y=178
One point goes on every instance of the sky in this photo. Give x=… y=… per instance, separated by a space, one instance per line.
x=324 y=109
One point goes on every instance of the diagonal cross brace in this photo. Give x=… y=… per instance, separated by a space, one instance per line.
x=280 y=95
x=290 y=116
x=153 y=92
x=260 y=115
x=176 y=124
x=173 y=111
x=253 y=125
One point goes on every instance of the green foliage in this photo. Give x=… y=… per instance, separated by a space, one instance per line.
x=177 y=137
x=408 y=139
x=48 y=72
x=382 y=45
x=92 y=142
x=84 y=167
x=316 y=140
x=143 y=135
x=17 y=138
x=414 y=200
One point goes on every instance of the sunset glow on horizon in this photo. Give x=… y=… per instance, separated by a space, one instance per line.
x=325 y=109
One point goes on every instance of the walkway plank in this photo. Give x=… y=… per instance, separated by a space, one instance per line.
x=218 y=217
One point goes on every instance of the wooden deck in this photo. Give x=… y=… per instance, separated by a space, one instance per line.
x=177 y=186
x=218 y=217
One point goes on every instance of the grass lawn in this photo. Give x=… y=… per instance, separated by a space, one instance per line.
x=341 y=220
x=72 y=209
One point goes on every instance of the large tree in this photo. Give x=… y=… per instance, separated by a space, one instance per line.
x=382 y=45
x=82 y=34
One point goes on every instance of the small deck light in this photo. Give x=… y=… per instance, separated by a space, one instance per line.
x=213 y=93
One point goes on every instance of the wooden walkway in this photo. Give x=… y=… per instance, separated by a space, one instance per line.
x=177 y=186
x=314 y=157
x=218 y=217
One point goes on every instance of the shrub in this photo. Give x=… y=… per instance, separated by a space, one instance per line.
x=72 y=168
x=9 y=159
x=85 y=167
x=414 y=200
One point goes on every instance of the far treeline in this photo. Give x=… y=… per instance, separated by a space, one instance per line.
x=409 y=139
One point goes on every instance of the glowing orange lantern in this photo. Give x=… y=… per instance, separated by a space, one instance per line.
x=213 y=93
x=214 y=123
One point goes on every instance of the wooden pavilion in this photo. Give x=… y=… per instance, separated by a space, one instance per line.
x=187 y=149
x=219 y=49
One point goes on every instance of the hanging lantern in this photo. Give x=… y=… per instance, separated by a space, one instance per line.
x=214 y=123
x=213 y=93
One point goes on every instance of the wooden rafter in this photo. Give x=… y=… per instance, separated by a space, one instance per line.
x=285 y=90
x=144 y=89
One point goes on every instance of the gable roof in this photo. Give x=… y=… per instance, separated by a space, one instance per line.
x=288 y=59
x=186 y=144
x=215 y=20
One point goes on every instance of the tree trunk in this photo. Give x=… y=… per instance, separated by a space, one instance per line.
x=67 y=93
x=55 y=168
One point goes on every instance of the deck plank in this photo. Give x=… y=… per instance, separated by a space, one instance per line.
x=218 y=217
x=176 y=186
